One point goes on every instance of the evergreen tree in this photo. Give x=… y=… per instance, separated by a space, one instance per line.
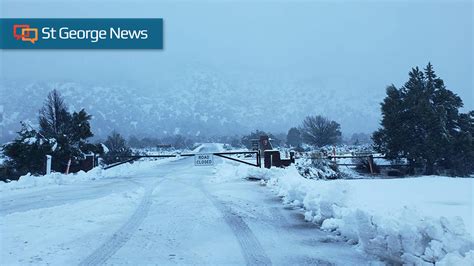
x=62 y=135
x=69 y=130
x=320 y=131
x=27 y=153
x=421 y=122
x=54 y=117
x=293 y=138
x=460 y=154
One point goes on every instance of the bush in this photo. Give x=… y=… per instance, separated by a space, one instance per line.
x=117 y=148
x=317 y=168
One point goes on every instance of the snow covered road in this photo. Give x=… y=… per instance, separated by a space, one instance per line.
x=172 y=213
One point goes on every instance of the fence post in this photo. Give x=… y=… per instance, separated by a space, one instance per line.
x=48 y=164
x=371 y=163
x=292 y=156
x=100 y=161
x=68 y=166
x=259 y=159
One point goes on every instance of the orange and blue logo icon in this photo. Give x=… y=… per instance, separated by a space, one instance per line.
x=24 y=33
x=78 y=33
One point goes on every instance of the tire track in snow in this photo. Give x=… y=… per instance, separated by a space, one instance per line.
x=121 y=236
x=57 y=198
x=252 y=250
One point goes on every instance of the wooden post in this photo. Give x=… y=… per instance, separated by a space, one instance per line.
x=68 y=165
x=259 y=159
x=371 y=163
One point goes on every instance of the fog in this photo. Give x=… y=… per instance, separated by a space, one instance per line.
x=352 y=48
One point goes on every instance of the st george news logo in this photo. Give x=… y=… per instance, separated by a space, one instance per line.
x=24 y=33
x=81 y=33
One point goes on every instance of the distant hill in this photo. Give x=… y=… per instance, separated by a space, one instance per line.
x=200 y=104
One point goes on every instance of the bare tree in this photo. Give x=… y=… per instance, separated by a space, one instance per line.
x=320 y=131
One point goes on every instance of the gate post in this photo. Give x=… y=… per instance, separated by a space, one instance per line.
x=292 y=156
x=89 y=162
x=259 y=159
x=271 y=158
x=267 y=159
x=371 y=163
x=48 y=164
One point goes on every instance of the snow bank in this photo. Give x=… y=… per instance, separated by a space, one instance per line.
x=316 y=169
x=125 y=170
x=413 y=220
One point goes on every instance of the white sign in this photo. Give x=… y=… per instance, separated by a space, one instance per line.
x=204 y=159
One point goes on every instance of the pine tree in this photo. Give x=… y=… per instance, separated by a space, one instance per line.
x=420 y=122
x=70 y=131
x=293 y=137
x=27 y=152
x=61 y=134
x=460 y=155
x=54 y=117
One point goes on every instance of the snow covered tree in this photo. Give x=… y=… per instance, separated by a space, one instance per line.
x=26 y=154
x=61 y=134
x=54 y=117
x=293 y=137
x=117 y=147
x=320 y=131
x=70 y=131
x=421 y=122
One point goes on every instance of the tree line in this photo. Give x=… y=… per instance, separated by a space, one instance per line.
x=421 y=123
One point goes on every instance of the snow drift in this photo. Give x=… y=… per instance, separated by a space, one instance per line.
x=32 y=181
x=413 y=221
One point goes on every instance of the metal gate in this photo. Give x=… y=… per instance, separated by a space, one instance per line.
x=225 y=155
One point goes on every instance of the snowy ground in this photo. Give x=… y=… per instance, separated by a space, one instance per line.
x=160 y=213
x=172 y=212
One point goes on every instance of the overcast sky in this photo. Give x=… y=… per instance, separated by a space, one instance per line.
x=343 y=45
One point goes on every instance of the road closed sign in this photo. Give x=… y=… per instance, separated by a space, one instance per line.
x=204 y=159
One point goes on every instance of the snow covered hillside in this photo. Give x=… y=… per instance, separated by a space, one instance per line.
x=199 y=103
